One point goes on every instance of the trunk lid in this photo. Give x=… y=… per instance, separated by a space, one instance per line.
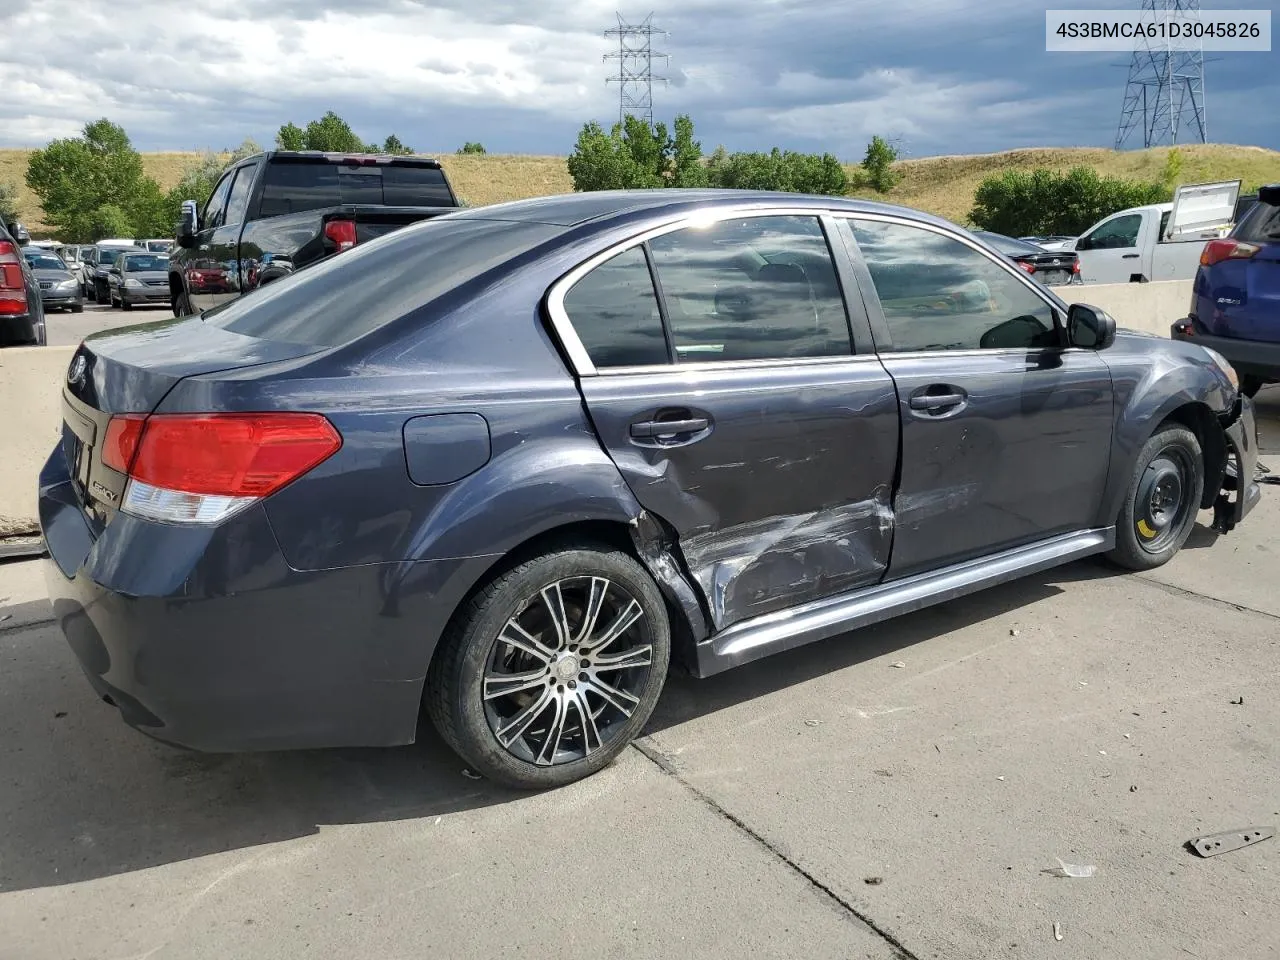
x=1201 y=211
x=131 y=371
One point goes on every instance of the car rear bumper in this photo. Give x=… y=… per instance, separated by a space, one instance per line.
x=23 y=330
x=205 y=638
x=1251 y=358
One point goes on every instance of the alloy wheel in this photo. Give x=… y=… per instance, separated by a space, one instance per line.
x=567 y=671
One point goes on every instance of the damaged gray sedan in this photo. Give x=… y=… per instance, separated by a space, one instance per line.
x=504 y=466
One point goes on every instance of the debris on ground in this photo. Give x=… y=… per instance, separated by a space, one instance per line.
x=1014 y=632
x=1076 y=870
x=1057 y=930
x=1238 y=703
x=7 y=616
x=873 y=881
x=812 y=723
x=58 y=715
x=898 y=664
x=470 y=775
x=999 y=778
x=1133 y=788
x=1216 y=843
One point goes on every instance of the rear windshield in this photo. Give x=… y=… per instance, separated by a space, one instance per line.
x=295 y=186
x=1010 y=246
x=350 y=294
x=145 y=262
x=1260 y=225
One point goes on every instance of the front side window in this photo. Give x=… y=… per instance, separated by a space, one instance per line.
x=751 y=288
x=1118 y=234
x=940 y=294
x=217 y=204
x=614 y=311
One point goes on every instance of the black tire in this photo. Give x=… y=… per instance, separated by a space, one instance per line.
x=77 y=308
x=125 y=305
x=1146 y=536
x=1250 y=385
x=182 y=305
x=471 y=648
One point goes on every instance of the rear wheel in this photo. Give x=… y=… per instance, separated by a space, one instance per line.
x=125 y=304
x=77 y=308
x=553 y=668
x=182 y=305
x=1163 y=498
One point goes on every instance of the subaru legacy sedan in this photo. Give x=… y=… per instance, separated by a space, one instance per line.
x=505 y=465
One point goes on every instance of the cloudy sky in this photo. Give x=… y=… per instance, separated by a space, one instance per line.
x=522 y=76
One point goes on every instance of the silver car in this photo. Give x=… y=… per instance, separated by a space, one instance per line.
x=137 y=279
x=59 y=286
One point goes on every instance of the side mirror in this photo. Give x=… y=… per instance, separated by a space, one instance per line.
x=1089 y=327
x=188 y=223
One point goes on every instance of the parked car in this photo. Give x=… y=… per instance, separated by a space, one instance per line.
x=506 y=463
x=70 y=254
x=276 y=213
x=1161 y=241
x=138 y=279
x=59 y=288
x=97 y=270
x=1235 y=300
x=21 y=309
x=156 y=246
x=1055 y=242
x=1050 y=267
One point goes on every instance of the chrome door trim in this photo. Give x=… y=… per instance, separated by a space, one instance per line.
x=573 y=346
x=820 y=619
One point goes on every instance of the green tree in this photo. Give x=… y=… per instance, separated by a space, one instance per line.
x=471 y=147
x=248 y=147
x=783 y=170
x=878 y=164
x=1019 y=202
x=76 y=176
x=633 y=156
x=290 y=136
x=332 y=134
x=393 y=146
x=110 y=220
x=8 y=202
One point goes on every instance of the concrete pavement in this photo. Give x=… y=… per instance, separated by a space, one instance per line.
x=1080 y=715
x=68 y=329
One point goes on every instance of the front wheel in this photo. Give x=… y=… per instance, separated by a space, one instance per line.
x=552 y=668
x=125 y=304
x=182 y=305
x=1162 y=500
x=77 y=308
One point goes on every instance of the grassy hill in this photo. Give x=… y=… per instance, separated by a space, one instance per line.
x=941 y=185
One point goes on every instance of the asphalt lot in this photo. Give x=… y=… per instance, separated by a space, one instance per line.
x=954 y=756
x=68 y=329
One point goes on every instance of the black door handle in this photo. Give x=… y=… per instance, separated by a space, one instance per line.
x=647 y=429
x=1129 y=256
x=936 y=401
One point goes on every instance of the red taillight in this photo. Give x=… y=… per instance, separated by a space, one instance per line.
x=1075 y=265
x=13 y=287
x=219 y=454
x=341 y=232
x=1029 y=267
x=1215 y=251
x=121 y=441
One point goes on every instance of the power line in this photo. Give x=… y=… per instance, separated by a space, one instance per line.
x=635 y=77
x=1164 y=95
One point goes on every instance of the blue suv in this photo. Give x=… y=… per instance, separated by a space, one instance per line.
x=1235 y=302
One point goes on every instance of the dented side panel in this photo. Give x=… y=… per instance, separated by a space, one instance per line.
x=785 y=497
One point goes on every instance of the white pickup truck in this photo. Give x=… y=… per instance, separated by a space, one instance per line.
x=1158 y=242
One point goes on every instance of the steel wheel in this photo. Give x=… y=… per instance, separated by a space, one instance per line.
x=567 y=672
x=1161 y=507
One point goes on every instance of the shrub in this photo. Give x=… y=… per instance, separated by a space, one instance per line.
x=783 y=170
x=1017 y=202
x=632 y=155
x=471 y=147
x=878 y=165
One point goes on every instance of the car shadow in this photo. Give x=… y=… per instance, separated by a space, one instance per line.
x=85 y=797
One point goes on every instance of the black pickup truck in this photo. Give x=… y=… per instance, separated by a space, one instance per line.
x=275 y=213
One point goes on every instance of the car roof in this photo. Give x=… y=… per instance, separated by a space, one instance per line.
x=568 y=210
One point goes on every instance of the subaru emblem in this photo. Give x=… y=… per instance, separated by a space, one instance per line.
x=75 y=374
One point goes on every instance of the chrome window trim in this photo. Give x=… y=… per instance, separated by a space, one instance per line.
x=573 y=346
x=1038 y=289
x=709 y=366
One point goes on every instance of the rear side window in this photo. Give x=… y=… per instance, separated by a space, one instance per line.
x=238 y=199
x=345 y=297
x=295 y=187
x=1260 y=225
x=615 y=313
x=755 y=288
